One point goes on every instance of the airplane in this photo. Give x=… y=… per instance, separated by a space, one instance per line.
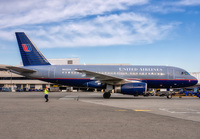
x=124 y=79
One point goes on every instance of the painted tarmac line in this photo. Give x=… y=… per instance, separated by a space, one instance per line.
x=180 y=111
x=142 y=110
x=121 y=110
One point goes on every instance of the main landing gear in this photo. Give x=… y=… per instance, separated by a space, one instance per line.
x=106 y=95
x=169 y=96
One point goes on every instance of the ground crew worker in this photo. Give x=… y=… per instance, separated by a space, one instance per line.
x=46 y=94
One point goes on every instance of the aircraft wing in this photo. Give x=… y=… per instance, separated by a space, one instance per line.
x=20 y=69
x=105 y=78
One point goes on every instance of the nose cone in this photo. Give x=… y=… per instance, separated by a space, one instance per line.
x=194 y=81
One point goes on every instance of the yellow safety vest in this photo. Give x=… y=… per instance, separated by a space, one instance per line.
x=46 y=92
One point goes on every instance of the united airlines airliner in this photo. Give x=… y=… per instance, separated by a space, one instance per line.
x=125 y=79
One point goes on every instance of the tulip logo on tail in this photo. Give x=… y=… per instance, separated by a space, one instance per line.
x=26 y=47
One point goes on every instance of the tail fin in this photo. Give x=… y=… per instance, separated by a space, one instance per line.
x=30 y=54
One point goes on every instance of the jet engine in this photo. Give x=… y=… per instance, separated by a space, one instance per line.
x=94 y=84
x=132 y=88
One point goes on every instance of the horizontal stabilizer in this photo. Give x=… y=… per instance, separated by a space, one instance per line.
x=20 y=70
x=3 y=67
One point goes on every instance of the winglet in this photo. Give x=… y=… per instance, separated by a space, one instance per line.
x=30 y=54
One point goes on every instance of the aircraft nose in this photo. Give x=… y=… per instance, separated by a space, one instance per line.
x=194 y=80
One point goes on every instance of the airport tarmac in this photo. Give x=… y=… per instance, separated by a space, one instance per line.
x=88 y=115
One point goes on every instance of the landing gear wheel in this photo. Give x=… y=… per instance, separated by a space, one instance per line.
x=106 y=95
x=169 y=96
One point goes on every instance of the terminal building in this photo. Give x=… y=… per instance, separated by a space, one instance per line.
x=67 y=61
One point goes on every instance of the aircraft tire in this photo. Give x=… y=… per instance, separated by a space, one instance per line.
x=169 y=96
x=106 y=95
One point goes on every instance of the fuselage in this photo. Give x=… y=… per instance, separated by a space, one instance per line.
x=154 y=76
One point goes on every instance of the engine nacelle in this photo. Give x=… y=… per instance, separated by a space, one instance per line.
x=94 y=84
x=132 y=88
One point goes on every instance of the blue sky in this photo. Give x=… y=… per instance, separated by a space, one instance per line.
x=138 y=32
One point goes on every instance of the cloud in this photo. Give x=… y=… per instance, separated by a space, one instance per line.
x=16 y=13
x=107 y=30
x=170 y=6
x=188 y=2
x=163 y=8
x=80 y=23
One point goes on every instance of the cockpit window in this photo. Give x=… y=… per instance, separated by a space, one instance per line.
x=185 y=73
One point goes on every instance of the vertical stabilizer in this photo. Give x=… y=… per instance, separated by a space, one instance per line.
x=30 y=54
